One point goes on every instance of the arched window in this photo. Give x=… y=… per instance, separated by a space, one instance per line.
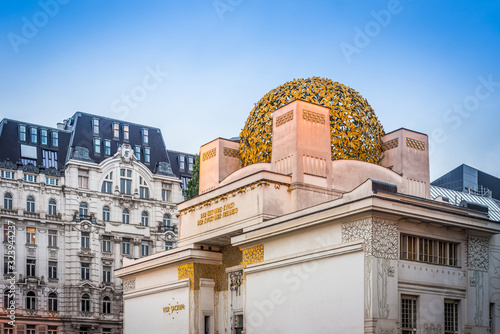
x=106 y=305
x=85 y=303
x=52 y=301
x=52 y=207
x=144 y=219
x=105 y=213
x=166 y=220
x=31 y=300
x=7 y=201
x=84 y=210
x=30 y=204
x=125 y=216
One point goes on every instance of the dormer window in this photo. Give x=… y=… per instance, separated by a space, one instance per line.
x=126 y=131
x=22 y=132
x=107 y=147
x=182 y=162
x=145 y=136
x=137 y=152
x=147 y=155
x=34 y=135
x=55 y=138
x=97 y=145
x=116 y=131
x=95 y=125
x=43 y=136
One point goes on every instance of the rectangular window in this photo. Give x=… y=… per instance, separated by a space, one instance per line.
x=30 y=267
x=190 y=163
x=165 y=195
x=126 y=130
x=107 y=187
x=83 y=178
x=34 y=135
x=55 y=139
x=106 y=331
x=8 y=330
x=116 y=131
x=6 y=265
x=30 y=178
x=85 y=271
x=125 y=181
x=147 y=155
x=182 y=162
x=107 y=147
x=51 y=181
x=105 y=214
x=428 y=250
x=168 y=245
x=5 y=174
x=44 y=137
x=85 y=240
x=30 y=329
x=6 y=232
x=95 y=125
x=52 y=238
x=145 y=248
x=97 y=145
x=30 y=235
x=145 y=136
x=451 y=316
x=52 y=329
x=106 y=274
x=126 y=246
x=144 y=192
x=49 y=159
x=22 y=132
x=185 y=181
x=408 y=314
x=52 y=269
x=137 y=152
x=52 y=208
x=106 y=244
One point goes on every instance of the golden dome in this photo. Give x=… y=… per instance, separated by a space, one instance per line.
x=355 y=131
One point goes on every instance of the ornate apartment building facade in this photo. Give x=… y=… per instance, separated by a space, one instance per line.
x=76 y=200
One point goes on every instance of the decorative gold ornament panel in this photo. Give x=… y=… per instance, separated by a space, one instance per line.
x=286 y=117
x=231 y=152
x=312 y=116
x=209 y=154
x=253 y=255
x=416 y=144
x=389 y=145
x=355 y=131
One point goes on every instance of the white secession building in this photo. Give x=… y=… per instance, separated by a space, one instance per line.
x=304 y=244
x=76 y=200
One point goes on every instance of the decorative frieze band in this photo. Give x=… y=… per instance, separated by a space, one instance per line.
x=380 y=235
x=129 y=285
x=286 y=117
x=478 y=250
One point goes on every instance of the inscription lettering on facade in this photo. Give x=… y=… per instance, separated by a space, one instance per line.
x=173 y=308
x=217 y=213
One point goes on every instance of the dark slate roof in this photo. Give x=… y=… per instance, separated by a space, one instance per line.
x=76 y=140
x=174 y=162
x=83 y=136
x=11 y=145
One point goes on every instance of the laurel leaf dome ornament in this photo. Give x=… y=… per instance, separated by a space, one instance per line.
x=355 y=131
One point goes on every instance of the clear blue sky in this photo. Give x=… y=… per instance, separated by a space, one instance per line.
x=430 y=66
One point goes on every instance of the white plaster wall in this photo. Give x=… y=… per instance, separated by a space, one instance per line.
x=321 y=296
x=144 y=314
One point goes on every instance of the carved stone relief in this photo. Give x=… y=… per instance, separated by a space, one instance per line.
x=432 y=329
x=129 y=285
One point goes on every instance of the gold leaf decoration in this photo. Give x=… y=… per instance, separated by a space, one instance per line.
x=355 y=131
